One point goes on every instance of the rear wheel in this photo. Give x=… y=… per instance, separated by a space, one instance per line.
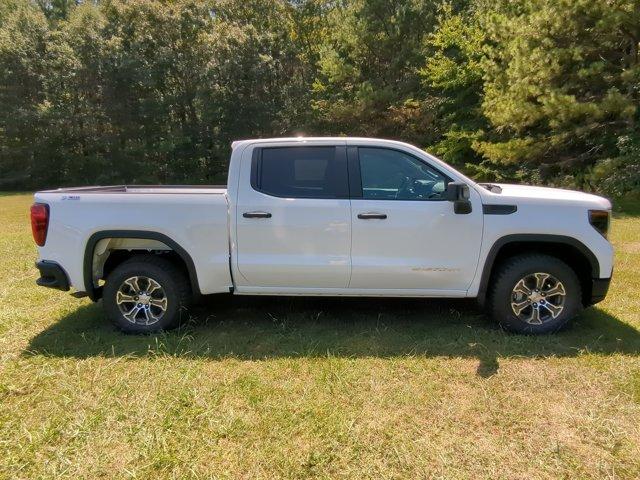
x=534 y=294
x=146 y=294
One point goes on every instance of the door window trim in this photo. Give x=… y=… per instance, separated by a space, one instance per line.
x=355 y=175
x=351 y=156
x=340 y=155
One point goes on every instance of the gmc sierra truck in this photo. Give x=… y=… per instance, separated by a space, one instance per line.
x=327 y=216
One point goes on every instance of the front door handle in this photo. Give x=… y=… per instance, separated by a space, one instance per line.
x=256 y=215
x=372 y=216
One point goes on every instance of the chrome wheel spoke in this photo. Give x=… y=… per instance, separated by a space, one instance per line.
x=146 y=315
x=154 y=317
x=554 y=310
x=541 y=278
x=161 y=303
x=518 y=307
x=124 y=298
x=521 y=287
x=153 y=286
x=132 y=314
x=557 y=289
x=133 y=284
x=535 y=316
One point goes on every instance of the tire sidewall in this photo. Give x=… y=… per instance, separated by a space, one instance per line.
x=507 y=281
x=119 y=275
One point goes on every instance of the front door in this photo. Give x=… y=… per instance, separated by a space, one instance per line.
x=294 y=219
x=406 y=236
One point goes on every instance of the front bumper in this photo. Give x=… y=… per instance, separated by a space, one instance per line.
x=599 y=289
x=52 y=275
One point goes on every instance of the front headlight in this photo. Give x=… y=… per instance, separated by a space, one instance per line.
x=600 y=220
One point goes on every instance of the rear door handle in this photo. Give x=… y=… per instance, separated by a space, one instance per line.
x=372 y=216
x=256 y=215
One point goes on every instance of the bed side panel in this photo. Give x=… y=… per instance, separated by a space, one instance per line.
x=197 y=222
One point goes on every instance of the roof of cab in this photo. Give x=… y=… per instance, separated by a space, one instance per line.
x=302 y=139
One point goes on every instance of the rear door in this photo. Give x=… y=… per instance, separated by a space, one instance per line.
x=293 y=218
x=406 y=236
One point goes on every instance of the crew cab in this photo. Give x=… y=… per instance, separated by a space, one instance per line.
x=327 y=216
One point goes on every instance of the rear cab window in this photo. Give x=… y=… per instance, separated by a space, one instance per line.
x=301 y=172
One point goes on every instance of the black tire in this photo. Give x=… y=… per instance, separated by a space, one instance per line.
x=509 y=273
x=174 y=287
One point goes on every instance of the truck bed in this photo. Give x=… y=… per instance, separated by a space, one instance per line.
x=194 y=217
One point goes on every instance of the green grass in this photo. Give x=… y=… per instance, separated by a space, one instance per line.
x=320 y=388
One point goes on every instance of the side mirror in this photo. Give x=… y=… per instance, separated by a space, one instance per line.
x=458 y=193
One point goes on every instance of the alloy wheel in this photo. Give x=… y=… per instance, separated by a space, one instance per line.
x=141 y=300
x=538 y=298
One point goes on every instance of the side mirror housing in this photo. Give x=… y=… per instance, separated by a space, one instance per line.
x=458 y=193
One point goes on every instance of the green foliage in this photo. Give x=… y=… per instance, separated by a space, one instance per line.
x=24 y=62
x=453 y=74
x=143 y=91
x=620 y=175
x=560 y=83
x=155 y=90
x=368 y=82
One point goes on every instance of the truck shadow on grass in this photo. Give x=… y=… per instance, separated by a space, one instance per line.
x=260 y=328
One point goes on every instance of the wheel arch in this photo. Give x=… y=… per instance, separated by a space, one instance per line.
x=95 y=292
x=570 y=250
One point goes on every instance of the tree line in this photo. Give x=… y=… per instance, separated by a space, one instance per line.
x=154 y=91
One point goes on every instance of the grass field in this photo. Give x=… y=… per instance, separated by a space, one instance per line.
x=314 y=388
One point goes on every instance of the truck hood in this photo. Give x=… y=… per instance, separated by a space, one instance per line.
x=552 y=195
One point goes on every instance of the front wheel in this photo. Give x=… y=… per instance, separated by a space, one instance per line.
x=534 y=294
x=146 y=294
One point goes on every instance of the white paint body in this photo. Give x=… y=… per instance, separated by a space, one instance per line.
x=319 y=246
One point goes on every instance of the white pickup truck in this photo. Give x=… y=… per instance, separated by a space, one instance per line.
x=328 y=216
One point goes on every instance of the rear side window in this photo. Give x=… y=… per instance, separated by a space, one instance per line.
x=301 y=172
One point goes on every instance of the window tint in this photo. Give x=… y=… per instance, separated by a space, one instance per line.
x=302 y=172
x=393 y=175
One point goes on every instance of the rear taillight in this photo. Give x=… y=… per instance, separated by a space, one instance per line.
x=599 y=219
x=39 y=222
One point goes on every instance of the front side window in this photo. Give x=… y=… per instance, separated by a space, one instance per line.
x=393 y=175
x=301 y=172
